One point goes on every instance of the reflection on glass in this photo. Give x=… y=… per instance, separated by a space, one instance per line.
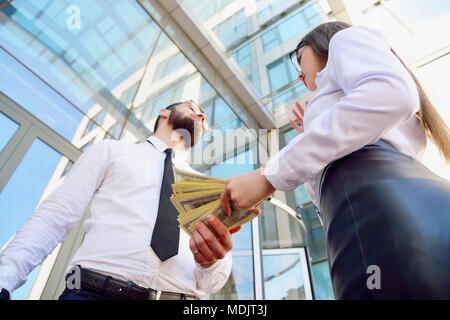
x=205 y=9
x=97 y=119
x=7 y=129
x=229 y=124
x=271 y=36
x=245 y=161
x=67 y=168
x=323 y=288
x=300 y=195
x=283 y=277
x=221 y=111
x=240 y=284
x=25 y=89
x=279 y=229
x=281 y=72
x=242 y=240
x=228 y=29
x=288 y=95
x=169 y=66
x=265 y=6
x=114 y=132
x=88 y=63
x=315 y=232
x=24 y=190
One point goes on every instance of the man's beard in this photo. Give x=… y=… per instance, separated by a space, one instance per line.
x=189 y=128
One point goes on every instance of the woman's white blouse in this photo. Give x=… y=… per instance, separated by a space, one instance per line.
x=364 y=93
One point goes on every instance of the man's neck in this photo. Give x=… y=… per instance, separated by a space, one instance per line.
x=170 y=138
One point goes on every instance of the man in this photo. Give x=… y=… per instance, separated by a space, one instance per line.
x=133 y=247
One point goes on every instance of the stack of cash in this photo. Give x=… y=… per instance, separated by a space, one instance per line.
x=195 y=196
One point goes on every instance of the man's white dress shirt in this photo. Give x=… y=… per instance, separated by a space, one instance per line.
x=120 y=183
x=363 y=94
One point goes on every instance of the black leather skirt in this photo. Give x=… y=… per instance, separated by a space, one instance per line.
x=387 y=224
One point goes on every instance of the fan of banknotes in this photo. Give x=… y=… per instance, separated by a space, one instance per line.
x=195 y=196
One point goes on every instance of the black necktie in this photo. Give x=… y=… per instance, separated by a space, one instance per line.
x=166 y=233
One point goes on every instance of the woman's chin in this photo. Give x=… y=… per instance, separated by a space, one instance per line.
x=311 y=86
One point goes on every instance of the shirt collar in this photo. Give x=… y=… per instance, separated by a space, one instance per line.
x=157 y=143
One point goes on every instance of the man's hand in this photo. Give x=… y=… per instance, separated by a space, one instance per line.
x=205 y=246
x=4 y=294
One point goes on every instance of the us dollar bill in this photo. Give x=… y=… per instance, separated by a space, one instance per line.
x=196 y=186
x=236 y=218
x=193 y=200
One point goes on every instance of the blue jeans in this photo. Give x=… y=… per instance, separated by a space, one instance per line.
x=72 y=294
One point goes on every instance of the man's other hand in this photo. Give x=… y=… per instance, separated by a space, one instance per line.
x=205 y=246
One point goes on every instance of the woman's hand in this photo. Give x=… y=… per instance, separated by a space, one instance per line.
x=299 y=117
x=247 y=190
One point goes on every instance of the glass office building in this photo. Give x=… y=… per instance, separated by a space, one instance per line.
x=73 y=73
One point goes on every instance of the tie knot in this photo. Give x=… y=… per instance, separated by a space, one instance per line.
x=168 y=151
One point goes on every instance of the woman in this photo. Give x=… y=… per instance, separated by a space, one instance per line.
x=386 y=217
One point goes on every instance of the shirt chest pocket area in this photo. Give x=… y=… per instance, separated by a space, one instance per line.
x=131 y=171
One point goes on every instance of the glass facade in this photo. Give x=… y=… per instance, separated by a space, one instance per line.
x=106 y=79
x=22 y=194
x=258 y=34
x=314 y=233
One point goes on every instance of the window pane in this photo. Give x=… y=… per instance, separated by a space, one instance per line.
x=7 y=129
x=207 y=8
x=86 y=65
x=24 y=191
x=279 y=229
x=277 y=75
x=323 y=287
x=300 y=195
x=20 y=85
x=283 y=278
x=240 y=20
x=270 y=39
x=232 y=123
x=315 y=233
x=292 y=26
x=222 y=110
x=242 y=55
x=240 y=284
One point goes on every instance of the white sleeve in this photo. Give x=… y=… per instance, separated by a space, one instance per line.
x=53 y=219
x=213 y=279
x=380 y=95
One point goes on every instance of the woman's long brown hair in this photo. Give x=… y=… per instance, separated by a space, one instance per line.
x=430 y=120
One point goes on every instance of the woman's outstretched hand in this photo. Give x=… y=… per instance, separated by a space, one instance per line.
x=247 y=190
x=299 y=116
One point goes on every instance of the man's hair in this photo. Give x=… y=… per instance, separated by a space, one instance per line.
x=173 y=105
